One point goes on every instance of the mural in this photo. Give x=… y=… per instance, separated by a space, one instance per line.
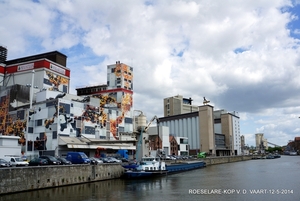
x=126 y=105
x=123 y=71
x=11 y=124
x=56 y=81
x=40 y=143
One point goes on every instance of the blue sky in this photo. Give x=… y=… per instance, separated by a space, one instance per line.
x=243 y=55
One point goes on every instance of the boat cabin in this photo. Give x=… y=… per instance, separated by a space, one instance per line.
x=151 y=164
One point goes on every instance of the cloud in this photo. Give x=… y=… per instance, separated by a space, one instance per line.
x=243 y=55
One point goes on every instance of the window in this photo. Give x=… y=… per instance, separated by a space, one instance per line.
x=30 y=129
x=54 y=135
x=39 y=122
x=183 y=141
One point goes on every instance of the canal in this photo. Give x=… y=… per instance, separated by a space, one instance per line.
x=263 y=179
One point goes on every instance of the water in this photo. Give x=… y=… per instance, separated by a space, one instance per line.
x=269 y=179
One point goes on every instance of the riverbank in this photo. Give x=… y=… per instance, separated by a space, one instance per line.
x=20 y=179
x=225 y=159
x=34 y=178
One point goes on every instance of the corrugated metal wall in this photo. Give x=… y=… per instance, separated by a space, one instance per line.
x=186 y=127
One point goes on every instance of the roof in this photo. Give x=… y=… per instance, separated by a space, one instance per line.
x=54 y=56
x=85 y=143
x=171 y=137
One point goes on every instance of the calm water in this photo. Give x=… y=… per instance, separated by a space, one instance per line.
x=269 y=179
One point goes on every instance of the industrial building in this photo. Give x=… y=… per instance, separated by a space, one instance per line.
x=261 y=143
x=36 y=106
x=215 y=132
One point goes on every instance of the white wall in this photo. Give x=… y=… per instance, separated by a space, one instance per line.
x=9 y=145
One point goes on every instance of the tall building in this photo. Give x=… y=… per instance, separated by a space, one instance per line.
x=261 y=143
x=36 y=106
x=116 y=96
x=3 y=54
x=214 y=132
x=228 y=123
x=48 y=71
x=178 y=105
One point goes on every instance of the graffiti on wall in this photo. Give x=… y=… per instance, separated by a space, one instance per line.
x=126 y=105
x=56 y=81
x=11 y=124
x=123 y=71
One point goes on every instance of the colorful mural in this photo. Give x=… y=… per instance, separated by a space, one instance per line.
x=126 y=105
x=56 y=81
x=123 y=71
x=11 y=125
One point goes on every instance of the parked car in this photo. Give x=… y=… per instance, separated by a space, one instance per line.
x=124 y=160
x=15 y=161
x=51 y=160
x=4 y=163
x=95 y=161
x=38 y=162
x=105 y=160
x=114 y=160
x=64 y=161
x=24 y=158
x=78 y=158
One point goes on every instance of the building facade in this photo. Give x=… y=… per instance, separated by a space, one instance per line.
x=178 y=105
x=214 y=132
x=49 y=120
x=261 y=143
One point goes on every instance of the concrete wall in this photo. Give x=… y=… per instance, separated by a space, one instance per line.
x=206 y=129
x=225 y=159
x=31 y=178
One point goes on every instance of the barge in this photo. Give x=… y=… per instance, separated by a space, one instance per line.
x=153 y=166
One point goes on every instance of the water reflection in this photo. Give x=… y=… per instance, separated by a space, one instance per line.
x=89 y=191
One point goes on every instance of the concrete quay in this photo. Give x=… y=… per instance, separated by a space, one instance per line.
x=225 y=159
x=18 y=179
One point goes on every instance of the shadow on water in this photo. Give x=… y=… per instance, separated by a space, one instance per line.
x=117 y=189
x=88 y=191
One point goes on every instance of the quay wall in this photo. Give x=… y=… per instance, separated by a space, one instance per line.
x=225 y=159
x=18 y=179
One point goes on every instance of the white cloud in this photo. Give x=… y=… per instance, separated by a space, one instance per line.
x=240 y=55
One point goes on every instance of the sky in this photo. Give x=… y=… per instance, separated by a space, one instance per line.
x=243 y=56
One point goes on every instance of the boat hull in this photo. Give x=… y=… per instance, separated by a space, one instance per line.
x=142 y=174
x=171 y=168
x=184 y=166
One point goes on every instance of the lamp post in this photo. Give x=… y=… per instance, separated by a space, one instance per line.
x=28 y=111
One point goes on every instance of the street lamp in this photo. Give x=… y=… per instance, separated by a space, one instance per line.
x=28 y=111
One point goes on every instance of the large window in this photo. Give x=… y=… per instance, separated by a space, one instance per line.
x=183 y=141
x=220 y=140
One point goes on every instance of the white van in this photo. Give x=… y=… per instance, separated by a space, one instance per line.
x=15 y=161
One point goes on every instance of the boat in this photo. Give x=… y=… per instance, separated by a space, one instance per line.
x=130 y=166
x=184 y=166
x=148 y=167
x=153 y=166
x=277 y=156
